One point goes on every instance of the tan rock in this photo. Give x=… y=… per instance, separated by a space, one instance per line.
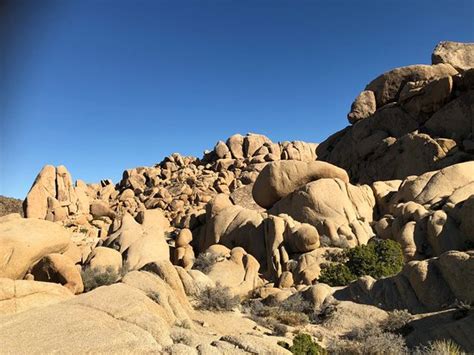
x=21 y=295
x=341 y=212
x=103 y=258
x=24 y=241
x=388 y=85
x=278 y=179
x=363 y=106
x=44 y=186
x=459 y=55
x=60 y=269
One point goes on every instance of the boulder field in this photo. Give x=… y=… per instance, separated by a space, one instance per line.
x=121 y=267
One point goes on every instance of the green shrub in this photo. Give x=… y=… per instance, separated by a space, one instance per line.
x=303 y=344
x=336 y=275
x=379 y=258
x=98 y=276
x=217 y=298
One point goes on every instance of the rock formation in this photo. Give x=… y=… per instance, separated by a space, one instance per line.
x=259 y=220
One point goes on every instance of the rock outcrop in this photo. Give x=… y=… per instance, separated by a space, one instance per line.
x=409 y=120
x=25 y=241
x=423 y=286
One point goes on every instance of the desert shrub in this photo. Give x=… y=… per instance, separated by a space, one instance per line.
x=336 y=275
x=370 y=340
x=98 y=276
x=154 y=296
x=270 y=323
x=396 y=320
x=204 y=262
x=296 y=303
x=181 y=337
x=303 y=344
x=217 y=298
x=439 y=347
x=379 y=258
x=289 y=312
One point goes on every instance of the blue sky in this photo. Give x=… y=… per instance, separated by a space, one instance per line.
x=105 y=85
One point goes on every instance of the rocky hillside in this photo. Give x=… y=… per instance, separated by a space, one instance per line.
x=360 y=244
x=10 y=205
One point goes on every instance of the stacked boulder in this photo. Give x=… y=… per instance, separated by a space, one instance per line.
x=409 y=120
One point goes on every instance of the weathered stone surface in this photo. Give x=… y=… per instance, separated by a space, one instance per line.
x=239 y=272
x=459 y=55
x=423 y=286
x=59 y=269
x=278 y=179
x=103 y=258
x=21 y=295
x=44 y=186
x=388 y=85
x=24 y=241
x=363 y=106
x=454 y=120
x=92 y=323
x=340 y=211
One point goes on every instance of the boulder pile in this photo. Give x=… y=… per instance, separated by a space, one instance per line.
x=261 y=220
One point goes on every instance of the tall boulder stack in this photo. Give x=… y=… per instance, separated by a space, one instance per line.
x=409 y=120
x=53 y=196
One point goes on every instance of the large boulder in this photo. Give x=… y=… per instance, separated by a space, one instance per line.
x=144 y=242
x=103 y=258
x=53 y=196
x=59 y=269
x=387 y=86
x=459 y=55
x=91 y=322
x=24 y=241
x=239 y=272
x=454 y=120
x=422 y=286
x=278 y=179
x=341 y=212
x=363 y=106
x=21 y=295
x=434 y=186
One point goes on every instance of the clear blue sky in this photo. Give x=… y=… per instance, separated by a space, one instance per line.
x=105 y=85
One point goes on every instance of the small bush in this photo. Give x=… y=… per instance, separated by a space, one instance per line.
x=336 y=275
x=396 y=320
x=303 y=344
x=370 y=340
x=440 y=347
x=296 y=303
x=97 y=276
x=290 y=312
x=217 y=298
x=182 y=338
x=379 y=258
x=204 y=262
x=276 y=327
